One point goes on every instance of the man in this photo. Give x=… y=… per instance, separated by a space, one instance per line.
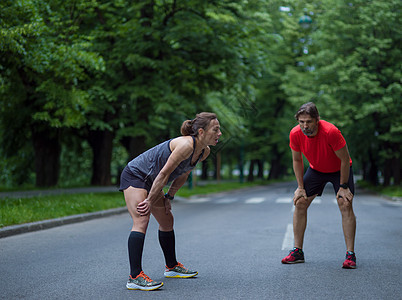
x=325 y=148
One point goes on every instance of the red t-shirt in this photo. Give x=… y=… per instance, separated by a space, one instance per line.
x=320 y=149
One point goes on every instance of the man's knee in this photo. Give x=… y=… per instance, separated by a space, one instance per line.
x=345 y=205
x=303 y=203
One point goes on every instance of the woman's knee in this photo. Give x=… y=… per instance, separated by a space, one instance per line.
x=167 y=224
x=140 y=223
x=134 y=196
x=165 y=221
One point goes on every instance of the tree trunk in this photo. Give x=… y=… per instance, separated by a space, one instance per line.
x=250 y=177
x=134 y=145
x=387 y=172
x=277 y=168
x=260 y=165
x=275 y=171
x=204 y=173
x=218 y=166
x=101 y=143
x=47 y=155
x=396 y=165
x=373 y=169
x=396 y=171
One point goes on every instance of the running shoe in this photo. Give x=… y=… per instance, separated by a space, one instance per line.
x=179 y=271
x=295 y=256
x=142 y=282
x=350 y=262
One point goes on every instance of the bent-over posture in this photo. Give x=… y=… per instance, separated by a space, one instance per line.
x=325 y=148
x=142 y=181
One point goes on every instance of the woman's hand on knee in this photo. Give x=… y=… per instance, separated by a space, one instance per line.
x=144 y=208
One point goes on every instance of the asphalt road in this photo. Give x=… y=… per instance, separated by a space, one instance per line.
x=234 y=240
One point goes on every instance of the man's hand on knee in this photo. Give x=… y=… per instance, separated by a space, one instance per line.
x=344 y=194
x=299 y=193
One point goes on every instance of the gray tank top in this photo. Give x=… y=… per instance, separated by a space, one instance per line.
x=147 y=165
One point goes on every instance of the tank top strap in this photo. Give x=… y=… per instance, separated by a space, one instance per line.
x=194 y=144
x=199 y=157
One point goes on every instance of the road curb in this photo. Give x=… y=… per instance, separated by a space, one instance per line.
x=46 y=224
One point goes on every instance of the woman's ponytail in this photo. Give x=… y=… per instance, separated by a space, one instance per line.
x=202 y=120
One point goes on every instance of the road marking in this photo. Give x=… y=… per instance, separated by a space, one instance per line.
x=225 y=201
x=288 y=239
x=284 y=200
x=290 y=200
x=255 y=200
x=317 y=201
x=199 y=200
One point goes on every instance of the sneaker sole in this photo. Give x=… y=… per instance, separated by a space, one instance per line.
x=349 y=267
x=179 y=275
x=292 y=262
x=132 y=286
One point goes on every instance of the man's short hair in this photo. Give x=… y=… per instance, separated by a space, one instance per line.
x=308 y=108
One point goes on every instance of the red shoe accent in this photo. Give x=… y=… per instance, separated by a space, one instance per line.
x=295 y=256
x=350 y=261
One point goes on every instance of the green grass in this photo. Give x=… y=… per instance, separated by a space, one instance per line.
x=214 y=188
x=391 y=191
x=24 y=210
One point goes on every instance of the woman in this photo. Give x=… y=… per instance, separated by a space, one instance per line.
x=142 y=181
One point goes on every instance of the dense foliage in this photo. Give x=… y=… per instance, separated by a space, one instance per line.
x=87 y=85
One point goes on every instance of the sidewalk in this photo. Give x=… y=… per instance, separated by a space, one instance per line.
x=33 y=193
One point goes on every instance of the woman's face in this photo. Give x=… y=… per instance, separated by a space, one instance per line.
x=212 y=133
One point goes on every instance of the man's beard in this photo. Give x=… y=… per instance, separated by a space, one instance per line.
x=307 y=132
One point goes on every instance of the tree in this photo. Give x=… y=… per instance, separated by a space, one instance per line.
x=163 y=59
x=42 y=60
x=272 y=120
x=352 y=71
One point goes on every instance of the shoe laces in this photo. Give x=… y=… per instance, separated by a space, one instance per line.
x=295 y=250
x=179 y=264
x=350 y=257
x=143 y=275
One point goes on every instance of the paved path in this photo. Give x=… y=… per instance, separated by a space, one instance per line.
x=235 y=240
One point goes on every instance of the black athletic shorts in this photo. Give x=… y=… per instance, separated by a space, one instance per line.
x=314 y=181
x=128 y=178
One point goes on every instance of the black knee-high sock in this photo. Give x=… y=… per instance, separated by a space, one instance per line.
x=167 y=242
x=135 y=248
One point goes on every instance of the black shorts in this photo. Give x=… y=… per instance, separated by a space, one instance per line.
x=128 y=178
x=314 y=181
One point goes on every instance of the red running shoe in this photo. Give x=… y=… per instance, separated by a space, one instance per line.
x=295 y=256
x=350 y=262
